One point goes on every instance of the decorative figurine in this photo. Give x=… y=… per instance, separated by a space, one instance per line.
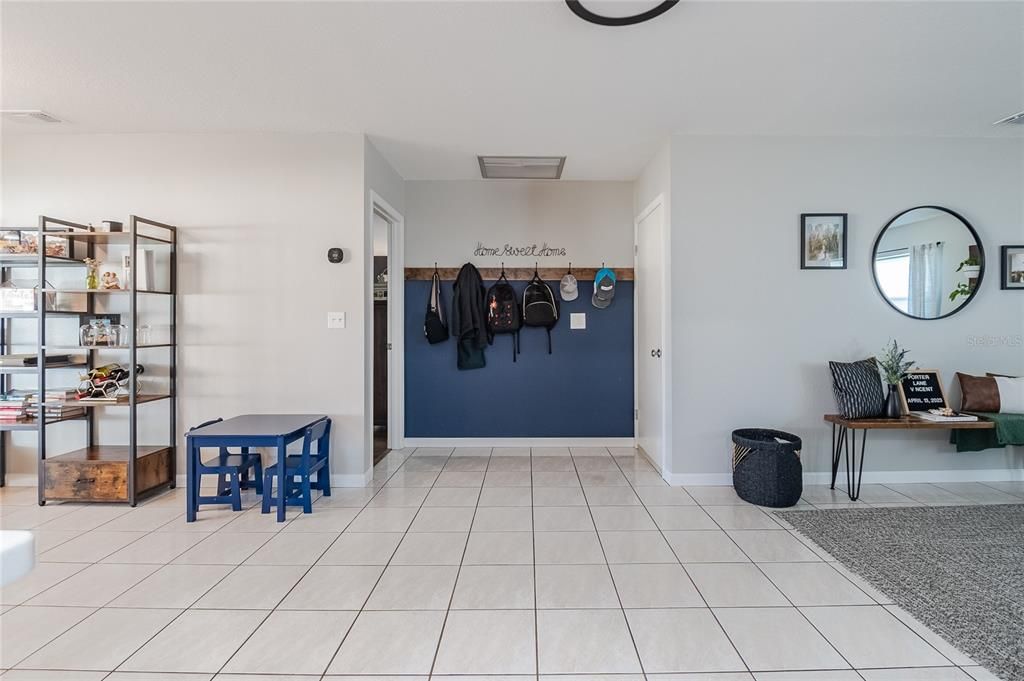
x=110 y=281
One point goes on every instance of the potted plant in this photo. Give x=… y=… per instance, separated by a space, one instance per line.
x=971 y=267
x=962 y=289
x=894 y=367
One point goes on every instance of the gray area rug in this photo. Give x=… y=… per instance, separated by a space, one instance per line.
x=957 y=569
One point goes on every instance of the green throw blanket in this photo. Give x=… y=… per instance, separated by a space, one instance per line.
x=1009 y=430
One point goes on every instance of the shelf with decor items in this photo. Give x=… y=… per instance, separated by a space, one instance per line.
x=67 y=268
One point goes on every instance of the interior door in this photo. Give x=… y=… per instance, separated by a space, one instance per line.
x=649 y=287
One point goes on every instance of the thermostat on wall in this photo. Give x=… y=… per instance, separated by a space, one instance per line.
x=577 y=320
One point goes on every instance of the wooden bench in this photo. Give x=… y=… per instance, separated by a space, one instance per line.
x=844 y=430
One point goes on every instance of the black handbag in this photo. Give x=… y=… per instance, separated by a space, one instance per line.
x=434 y=326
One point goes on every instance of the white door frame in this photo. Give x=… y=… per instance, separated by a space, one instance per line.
x=664 y=466
x=396 y=319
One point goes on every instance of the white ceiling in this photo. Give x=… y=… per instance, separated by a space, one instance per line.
x=435 y=83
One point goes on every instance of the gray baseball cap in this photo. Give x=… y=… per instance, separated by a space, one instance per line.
x=604 y=288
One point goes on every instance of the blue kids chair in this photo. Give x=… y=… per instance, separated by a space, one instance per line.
x=232 y=470
x=302 y=466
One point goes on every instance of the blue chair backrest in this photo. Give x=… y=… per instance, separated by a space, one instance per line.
x=317 y=432
x=206 y=423
x=223 y=450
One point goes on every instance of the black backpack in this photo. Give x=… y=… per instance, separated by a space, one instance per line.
x=540 y=307
x=503 y=312
x=434 y=327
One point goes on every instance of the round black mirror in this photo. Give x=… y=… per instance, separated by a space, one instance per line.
x=928 y=262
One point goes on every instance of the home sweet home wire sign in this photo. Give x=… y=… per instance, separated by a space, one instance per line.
x=525 y=251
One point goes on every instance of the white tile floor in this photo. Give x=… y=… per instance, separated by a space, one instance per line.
x=503 y=563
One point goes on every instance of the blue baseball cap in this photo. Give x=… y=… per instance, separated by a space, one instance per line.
x=604 y=288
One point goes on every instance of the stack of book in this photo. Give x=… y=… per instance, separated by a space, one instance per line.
x=58 y=404
x=12 y=408
x=944 y=416
x=31 y=360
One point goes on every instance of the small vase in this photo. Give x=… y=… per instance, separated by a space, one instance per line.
x=92 y=279
x=893 y=410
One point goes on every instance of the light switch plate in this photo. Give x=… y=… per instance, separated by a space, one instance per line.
x=335 y=320
x=577 y=320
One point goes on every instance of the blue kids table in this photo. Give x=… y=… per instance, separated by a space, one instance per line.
x=248 y=430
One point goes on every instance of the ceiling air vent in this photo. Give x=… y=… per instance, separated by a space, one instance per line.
x=521 y=167
x=29 y=115
x=1015 y=119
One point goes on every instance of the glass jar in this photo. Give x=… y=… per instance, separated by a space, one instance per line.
x=89 y=334
x=119 y=335
x=107 y=334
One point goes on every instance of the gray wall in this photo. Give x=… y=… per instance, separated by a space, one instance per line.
x=593 y=221
x=256 y=214
x=752 y=333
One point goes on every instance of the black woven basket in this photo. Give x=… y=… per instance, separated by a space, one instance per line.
x=765 y=471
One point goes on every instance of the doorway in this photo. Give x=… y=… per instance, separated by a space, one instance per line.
x=387 y=394
x=652 y=381
x=381 y=235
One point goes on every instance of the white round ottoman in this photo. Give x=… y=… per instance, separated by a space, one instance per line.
x=17 y=555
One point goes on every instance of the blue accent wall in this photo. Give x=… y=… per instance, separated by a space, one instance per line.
x=583 y=389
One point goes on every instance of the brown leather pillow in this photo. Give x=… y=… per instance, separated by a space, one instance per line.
x=979 y=393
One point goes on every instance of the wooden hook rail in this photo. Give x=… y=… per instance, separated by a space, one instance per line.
x=553 y=274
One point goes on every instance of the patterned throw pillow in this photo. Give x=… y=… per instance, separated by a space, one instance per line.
x=858 y=388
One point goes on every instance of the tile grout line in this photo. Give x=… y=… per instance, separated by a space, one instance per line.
x=234 y=568
x=533 y=545
x=876 y=604
x=297 y=582
x=105 y=605
x=179 y=615
x=405 y=534
x=462 y=560
x=348 y=630
x=683 y=567
x=604 y=554
x=884 y=606
x=788 y=600
x=95 y=609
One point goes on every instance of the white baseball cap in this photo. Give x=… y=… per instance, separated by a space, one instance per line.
x=569 y=288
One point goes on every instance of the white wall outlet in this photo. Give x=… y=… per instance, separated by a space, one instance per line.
x=577 y=320
x=335 y=320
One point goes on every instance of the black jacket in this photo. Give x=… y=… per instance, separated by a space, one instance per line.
x=469 y=317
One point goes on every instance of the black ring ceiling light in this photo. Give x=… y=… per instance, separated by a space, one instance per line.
x=583 y=13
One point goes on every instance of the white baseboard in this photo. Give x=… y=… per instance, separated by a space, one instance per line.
x=411 y=442
x=895 y=477
x=22 y=479
x=353 y=479
x=697 y=479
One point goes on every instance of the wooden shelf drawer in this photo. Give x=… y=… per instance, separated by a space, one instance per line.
x=101 y=473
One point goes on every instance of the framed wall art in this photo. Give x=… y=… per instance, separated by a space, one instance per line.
x=823 y=241
x=1012 y=268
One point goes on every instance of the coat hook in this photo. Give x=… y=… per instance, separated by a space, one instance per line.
x=570 y=267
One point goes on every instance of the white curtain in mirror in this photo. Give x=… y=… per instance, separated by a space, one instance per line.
x=925 y=299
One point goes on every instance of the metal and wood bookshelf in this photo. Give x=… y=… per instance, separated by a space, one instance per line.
x=109 y=472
